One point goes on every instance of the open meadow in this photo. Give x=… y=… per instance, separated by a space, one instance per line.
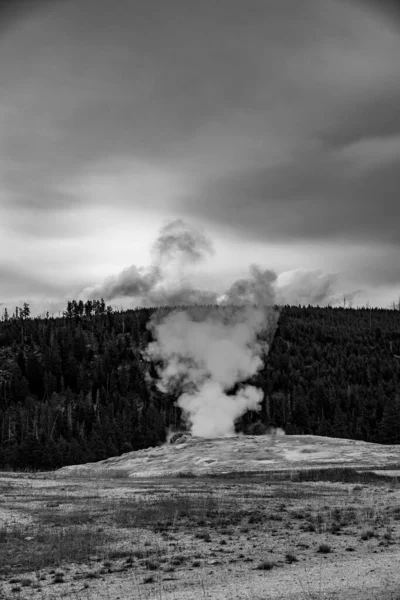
x=321 y=532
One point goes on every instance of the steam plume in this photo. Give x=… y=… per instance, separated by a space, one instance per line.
x=176 y=252
x=165 y=282
x=203 y=353
x=177 y=240
x=132 y=281
x=257 y=289
x=305 y=287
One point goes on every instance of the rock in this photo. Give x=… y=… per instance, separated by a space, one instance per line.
x=179 y=438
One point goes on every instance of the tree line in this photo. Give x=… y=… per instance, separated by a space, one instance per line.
x=76 y=389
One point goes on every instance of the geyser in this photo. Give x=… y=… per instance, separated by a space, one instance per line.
x=202 y=353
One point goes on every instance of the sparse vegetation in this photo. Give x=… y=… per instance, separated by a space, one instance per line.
x=58 y=578
x=266 y=565
x=368 y=534
x=167 y=528
x=49 y=546
x=291 y=557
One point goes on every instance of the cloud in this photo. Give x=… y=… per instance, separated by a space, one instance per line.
x=105 y=82
x=15 y=281
x=132 y=281
x=177 y=247
x=159 y=285
x=314 y=198
x=371 y=153
x=12 y=12
x=306 y=287
x=376 y=115
x=277 y=121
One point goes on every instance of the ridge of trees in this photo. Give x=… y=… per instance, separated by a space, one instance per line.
x=76 y=388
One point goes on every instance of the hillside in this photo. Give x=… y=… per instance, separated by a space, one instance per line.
x=243 y=454
x=76 y=389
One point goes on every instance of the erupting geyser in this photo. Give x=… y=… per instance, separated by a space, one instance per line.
x=202 y=353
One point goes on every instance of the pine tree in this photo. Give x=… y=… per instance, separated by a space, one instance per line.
x=389 y=427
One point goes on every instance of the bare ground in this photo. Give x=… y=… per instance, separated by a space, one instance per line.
x=272 y=535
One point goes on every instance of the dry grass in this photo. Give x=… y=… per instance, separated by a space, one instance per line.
x=24 y=550
x=163 y=530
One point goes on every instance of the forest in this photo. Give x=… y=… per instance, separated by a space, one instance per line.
x=77 y=389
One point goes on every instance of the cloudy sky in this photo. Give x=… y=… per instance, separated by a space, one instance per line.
x=273 y=126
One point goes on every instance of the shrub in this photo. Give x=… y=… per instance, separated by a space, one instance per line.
x=290 y=557
x=58 y=578
x=266 y=565
x=367 y=534
x=196 y=563
x=152 y=565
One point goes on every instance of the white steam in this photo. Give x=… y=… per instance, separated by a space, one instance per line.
x=305 y=287
x=177 y=251
x=212 y=413
x=209 y=350
x=205 y=352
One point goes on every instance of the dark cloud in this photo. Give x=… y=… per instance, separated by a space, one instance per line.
x=314 y=198
x=144 y=79
x=388 y=8
x=112 y=81
x=274 y=115
x=376 y=115
x=12 y=11
x=17 y=281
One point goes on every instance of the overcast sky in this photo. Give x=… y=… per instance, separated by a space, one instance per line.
x=273 y=126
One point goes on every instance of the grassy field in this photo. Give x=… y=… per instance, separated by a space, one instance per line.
x=285 y=534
